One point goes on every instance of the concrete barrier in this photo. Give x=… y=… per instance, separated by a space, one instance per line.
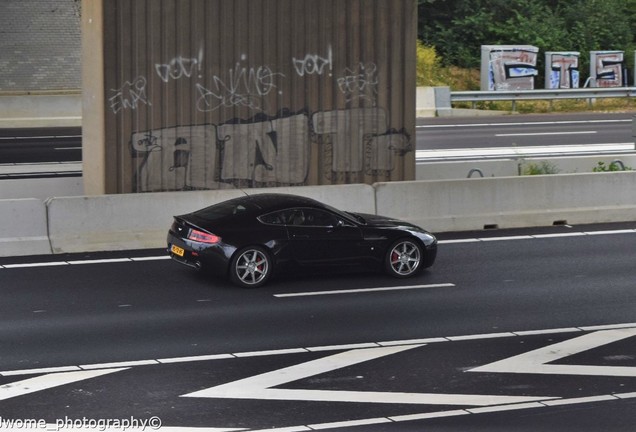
x=447 y=170
x=23 y=230
x=41 y=188
x=40 y=110
x=119 y=222
x=507 y=202
x=141 y=221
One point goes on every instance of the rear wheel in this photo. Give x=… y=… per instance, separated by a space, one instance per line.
x=403 y=258
x=251 y=267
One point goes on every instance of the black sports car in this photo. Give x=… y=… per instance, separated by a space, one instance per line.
x=249 y=238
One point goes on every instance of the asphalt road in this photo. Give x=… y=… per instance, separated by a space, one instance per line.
x=510 y=330
x=35 y=145
x=524 y=130
x=64 y=144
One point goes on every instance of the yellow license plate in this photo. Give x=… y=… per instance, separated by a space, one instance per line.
x=177 y=250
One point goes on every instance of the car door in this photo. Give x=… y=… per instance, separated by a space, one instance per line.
x=319 y=237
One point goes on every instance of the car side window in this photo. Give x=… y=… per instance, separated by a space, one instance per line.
x=312 y=218
x=275 y=218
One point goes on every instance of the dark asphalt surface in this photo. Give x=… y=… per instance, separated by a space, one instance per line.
x=94 y=313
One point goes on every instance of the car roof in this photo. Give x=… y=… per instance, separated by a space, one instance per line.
x=277 y=201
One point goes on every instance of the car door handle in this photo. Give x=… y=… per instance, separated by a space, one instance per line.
x=301 y=236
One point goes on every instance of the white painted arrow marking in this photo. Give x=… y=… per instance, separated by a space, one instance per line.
x=536 y=362
x=32 y=385
x=260 y=386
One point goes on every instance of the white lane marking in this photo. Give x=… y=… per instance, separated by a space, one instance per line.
x=484 y=336
x=413 y=341
x=472 y=411
x=41 y=370
x=343 y=347
x=426 y=415
x=40 y=264
x=91 y=427
x=610 y=232
x=364 y=290
x=152 y=258
x=99 y=261
x=546 y=332
x=406 y=417
x=538 y=236
x=538 y=361
x=560 y=122
x=491 y=409
x=84 y=262
x=194 y=358
x=423 y=156
x=504 y=238
x=544 y=404
x=559 y=235
x=451 y=241
x=546 y=133
x=32 y=385
x=262 y=386
x=126 y=364
x=576 y=401
x=270 y=352
x=480 y=336
x=344 y=424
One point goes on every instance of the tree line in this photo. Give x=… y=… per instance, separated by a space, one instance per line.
x=458 y=28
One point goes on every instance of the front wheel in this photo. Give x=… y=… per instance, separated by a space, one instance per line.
x=251 y=267
x=403 y=258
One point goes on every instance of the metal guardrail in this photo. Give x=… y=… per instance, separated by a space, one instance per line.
x=539 y=94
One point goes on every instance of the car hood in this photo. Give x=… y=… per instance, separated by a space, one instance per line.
x=384 y=221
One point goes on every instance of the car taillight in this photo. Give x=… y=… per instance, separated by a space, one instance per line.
x=203 y=237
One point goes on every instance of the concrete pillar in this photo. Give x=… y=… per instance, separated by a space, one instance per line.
x=93 y=98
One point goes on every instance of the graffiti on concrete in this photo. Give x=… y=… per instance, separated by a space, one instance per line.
x=606 y=68
x=507 y=67
x=180 y=67
x=562 y=70
x=360 y=83
x=265 y=151
x=240 y=86
x=129 y=96
x=314 y=64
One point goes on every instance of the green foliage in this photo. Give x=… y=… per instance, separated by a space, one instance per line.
x=541 y=168
x=611 y=167
x=458 y=28
x=429 y=71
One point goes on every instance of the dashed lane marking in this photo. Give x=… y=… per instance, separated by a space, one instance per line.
x=363 y=290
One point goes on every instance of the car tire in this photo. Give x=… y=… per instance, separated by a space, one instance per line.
x=404 y=258
x=251 y=267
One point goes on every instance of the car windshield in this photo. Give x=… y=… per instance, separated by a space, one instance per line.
x=343 y=214
x=357 y=217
